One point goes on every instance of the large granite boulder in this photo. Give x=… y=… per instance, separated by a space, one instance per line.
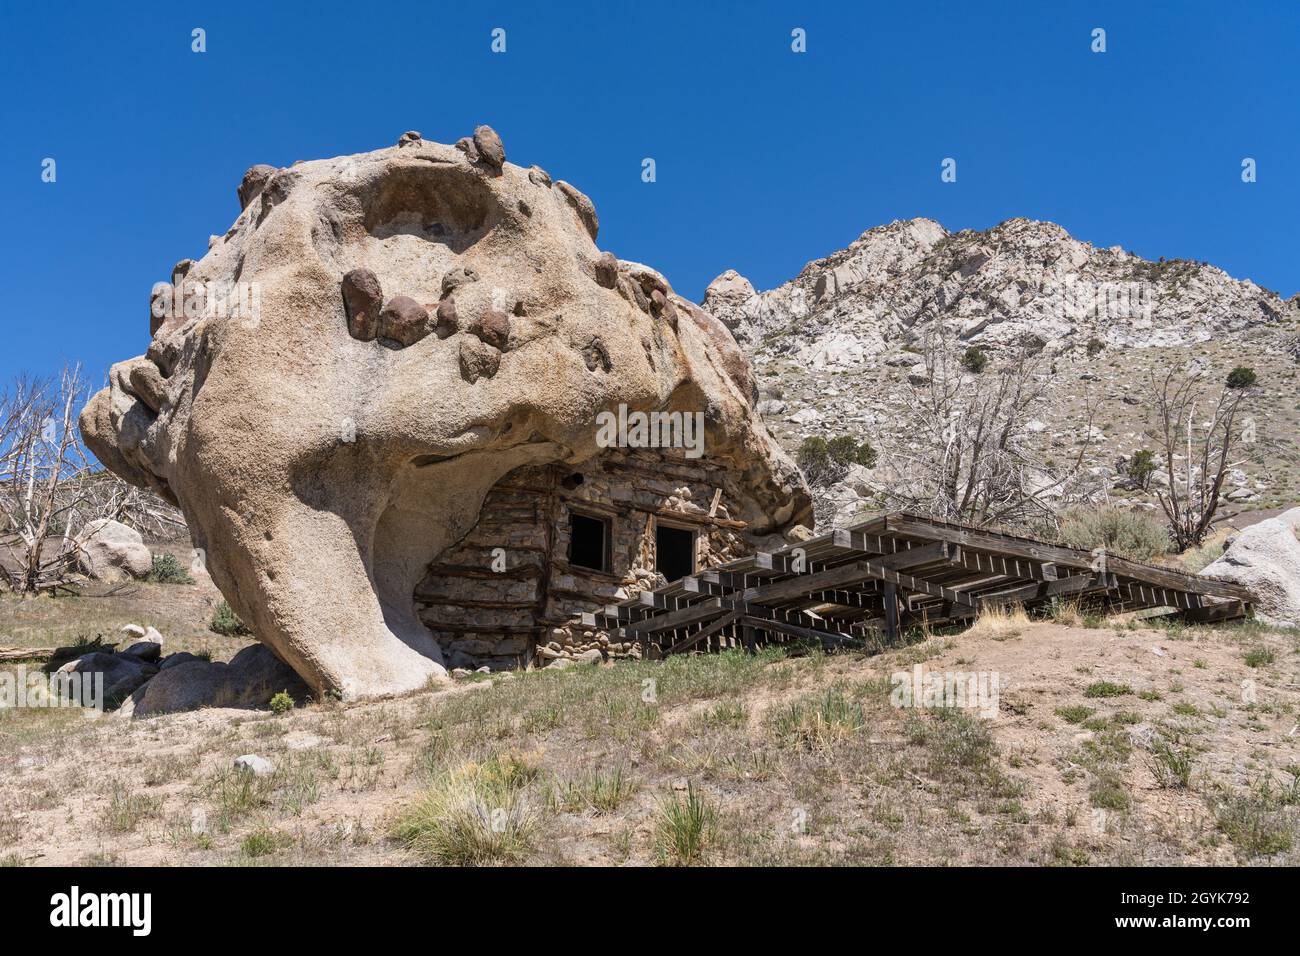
x=415 y=323
x=1265 y=559
x=108 y=550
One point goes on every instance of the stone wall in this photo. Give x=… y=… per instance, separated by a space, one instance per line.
x=507 y=596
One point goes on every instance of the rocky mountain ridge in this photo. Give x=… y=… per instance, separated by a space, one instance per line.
x=837 y=348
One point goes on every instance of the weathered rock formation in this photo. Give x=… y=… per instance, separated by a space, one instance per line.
x=838 y=348
x=1265 y=559
x=333 y=389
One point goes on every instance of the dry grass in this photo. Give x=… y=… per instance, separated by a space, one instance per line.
x=1000 y=623
x=1102 y=751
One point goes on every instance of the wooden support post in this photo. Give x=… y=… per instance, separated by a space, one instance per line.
x=891 y=611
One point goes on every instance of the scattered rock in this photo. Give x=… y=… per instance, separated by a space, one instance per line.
x=466 y=145
x=456 y=278
x=257 y=766
x=583 y=206
x=605 y=270
x=123 y=674
x=180 y=657
x=409 y=138
x=148 y=651
x=250 y=680
x=446 y=324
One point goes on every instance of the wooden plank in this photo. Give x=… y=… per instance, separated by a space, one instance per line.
x=916 y=557
x=1176 y=580
x=913 y=526
x=691 y=614
x=1007 y=567
x=1041 y=590
x=802 y=584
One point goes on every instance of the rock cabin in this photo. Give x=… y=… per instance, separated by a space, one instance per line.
x=573 y=540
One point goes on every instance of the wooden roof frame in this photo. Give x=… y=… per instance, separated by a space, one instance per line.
x=895 y=571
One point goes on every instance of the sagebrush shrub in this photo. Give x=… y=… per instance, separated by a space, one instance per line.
x=1128 y=534
x=225 y=621
x=167 y=570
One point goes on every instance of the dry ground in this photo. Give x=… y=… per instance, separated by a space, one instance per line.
x=1112 y=744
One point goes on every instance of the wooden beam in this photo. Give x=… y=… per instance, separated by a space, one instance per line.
x=691 y=614
x=795 y=630
x=707 y=631
x=1213 y=613
x=916 y=557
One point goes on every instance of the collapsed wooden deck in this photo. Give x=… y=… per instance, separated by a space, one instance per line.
x=892 y=573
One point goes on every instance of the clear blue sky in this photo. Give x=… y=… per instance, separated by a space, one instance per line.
x=765 y=158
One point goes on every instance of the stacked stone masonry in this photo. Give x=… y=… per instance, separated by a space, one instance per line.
x=507 y=596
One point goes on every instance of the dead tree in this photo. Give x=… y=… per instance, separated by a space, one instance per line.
x=967 y=455
x=1195 y=455
x=39 y=455
x=50 y=487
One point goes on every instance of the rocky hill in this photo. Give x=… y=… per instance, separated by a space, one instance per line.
x=837 y=348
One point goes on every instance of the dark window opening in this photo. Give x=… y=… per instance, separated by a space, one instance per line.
x=588 y=542
x=674 y=552
x=571 y=482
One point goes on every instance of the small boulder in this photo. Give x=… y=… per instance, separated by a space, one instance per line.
x=362 y=301
x=180 y=657
x=605 y=270
x=403 y=320
x=446 y=324
x=478 y=360
x=110 y=551
x=257 y=766
x=456 y=278
x=466 y=145
x=583 y=206
x=489 y=146
x=493 y=327
x=410 y=138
